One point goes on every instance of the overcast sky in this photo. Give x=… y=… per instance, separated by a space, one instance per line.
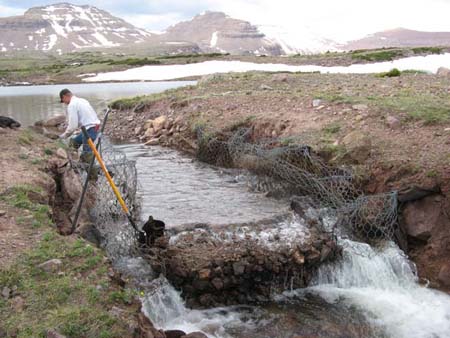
x=336 y=19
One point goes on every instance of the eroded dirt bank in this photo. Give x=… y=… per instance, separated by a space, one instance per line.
x=53 y=285
x=394 y=133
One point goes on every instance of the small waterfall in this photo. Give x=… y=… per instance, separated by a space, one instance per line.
x=166 y=310
x=382 y=283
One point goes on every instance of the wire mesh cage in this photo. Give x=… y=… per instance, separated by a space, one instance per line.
x=301 y=172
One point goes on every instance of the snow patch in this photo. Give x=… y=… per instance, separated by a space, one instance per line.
x=104 y=41
x=30 y=37
x=213 y=42
x=4 y=49
x=428 y=63
x=52 y=41
x=40 y=31
x=53 y=19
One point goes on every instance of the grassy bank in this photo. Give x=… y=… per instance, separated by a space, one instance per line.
x=78 y=297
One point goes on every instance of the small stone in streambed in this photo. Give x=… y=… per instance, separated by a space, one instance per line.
x=174 y=333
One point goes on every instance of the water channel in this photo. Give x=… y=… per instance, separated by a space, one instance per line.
x=370 y=292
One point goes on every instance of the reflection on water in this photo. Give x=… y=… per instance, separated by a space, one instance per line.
x=178 y=190
x=28 y=104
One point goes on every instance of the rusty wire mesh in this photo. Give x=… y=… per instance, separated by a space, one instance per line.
x=300 y=172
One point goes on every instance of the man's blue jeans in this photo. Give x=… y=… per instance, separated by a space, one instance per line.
x=81 y=140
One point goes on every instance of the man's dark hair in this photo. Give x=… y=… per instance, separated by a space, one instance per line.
x=63 y=92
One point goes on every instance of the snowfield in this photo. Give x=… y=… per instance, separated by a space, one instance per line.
x=429 y=63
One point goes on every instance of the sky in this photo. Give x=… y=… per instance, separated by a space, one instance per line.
x=339 y=20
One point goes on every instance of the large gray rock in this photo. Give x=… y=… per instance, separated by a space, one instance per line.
x=358 y=147
x=420 y=217
x=393 y=122
x=442 y=71
x=444 y=274
x=159 y=123
x=54 y=121
x=71 y=185
x=51 y=265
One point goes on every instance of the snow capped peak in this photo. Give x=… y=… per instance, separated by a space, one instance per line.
x=64 y=27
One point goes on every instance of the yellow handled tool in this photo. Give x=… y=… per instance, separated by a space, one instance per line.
x=110 y=180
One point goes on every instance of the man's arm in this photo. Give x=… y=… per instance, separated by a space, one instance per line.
x=72 y=122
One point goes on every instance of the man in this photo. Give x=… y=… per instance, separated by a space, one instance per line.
x=79 y=114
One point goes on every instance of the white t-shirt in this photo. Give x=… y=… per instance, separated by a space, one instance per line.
x=80 y=113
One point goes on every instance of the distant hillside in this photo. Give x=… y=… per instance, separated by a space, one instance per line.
x=399 y=37
x=63 y=28
x=217 y=32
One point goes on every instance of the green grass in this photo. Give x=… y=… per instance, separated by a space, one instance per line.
x=68 y=302
x=377 y=55
x=427 y=108
x=25 y=138
x=19 y=197
x=181 y=56
x=427 y=50
x=332 y=128
x=132 y=102
x=134 y=62
x=394 y=72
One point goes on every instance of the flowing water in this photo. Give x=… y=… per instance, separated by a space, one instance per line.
x=370 y=292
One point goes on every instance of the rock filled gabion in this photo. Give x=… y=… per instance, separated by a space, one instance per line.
x=300 y=172
x=106 y=212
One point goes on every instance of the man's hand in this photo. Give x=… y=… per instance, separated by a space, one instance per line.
x=62 y=136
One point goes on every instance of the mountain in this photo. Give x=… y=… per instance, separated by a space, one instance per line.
x=399 y=37
x=65 y=27
x=217 y=32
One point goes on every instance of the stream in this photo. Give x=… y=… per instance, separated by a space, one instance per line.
x=370 y=292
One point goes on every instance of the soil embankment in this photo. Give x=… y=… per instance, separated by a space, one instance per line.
x=393 y=131
x=53 y=285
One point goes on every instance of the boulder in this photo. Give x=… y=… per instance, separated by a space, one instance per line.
x=149 y=133
x=442 y=71
x=51 y=265
x=146 y=328
x=174 y=333
x=159 y=123
x=61 y=153
x=419 y=218
x=358 y=147
x=52 y=121
x=148 y=124
x=71 y=185
x=393 y=122
x=444 y=274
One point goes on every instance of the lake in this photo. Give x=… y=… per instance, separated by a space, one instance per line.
x=28 y=104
